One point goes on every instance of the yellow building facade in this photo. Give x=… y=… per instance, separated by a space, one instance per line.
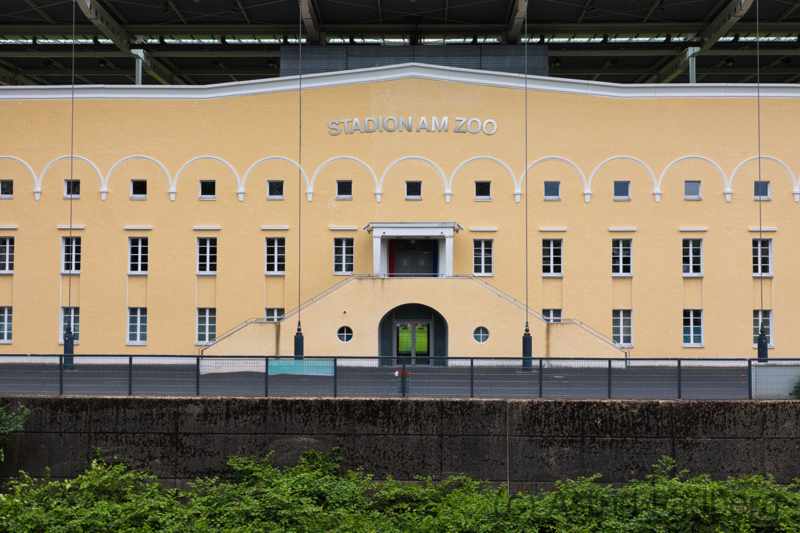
x=194 y=210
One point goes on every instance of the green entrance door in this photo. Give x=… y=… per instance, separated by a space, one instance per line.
x=412 y=342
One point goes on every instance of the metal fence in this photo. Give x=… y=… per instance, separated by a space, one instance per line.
x=391 y=377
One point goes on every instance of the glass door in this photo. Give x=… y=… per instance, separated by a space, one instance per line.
x=412 y=342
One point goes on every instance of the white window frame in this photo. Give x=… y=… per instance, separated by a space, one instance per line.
x=343 y=332
x=275 y=196
x=72 y=196
x=274 y=314
x=420 y=190
x=137 y=327
x=206 y=197
x=483 y=198
x=210 y=266
x=6 y=196
x=617 y=245
x=480 y=252
x=79 y=242
x=766 y=198
x=552 y=316
x=694 y=314
x=618 y=330
x=759 y=257
x=344 y=196
x=693 y=197
x=273 y=259
x=552 y=198
x=136 y=259
x=691 y=257
x=205 y=314
x=622 y=198
x=138 y=196
x=769 y=327
x=340 y=255
x=481 y=337
x=6 y=325
x=7 y=259
x=547 y=252
x=73 y=314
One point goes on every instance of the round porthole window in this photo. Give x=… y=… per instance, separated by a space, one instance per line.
x=481 y=334
x=345 y=333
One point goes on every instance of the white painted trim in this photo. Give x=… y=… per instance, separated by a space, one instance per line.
x=587 y=193
x=8 y=227
x=38 y=189
x=343 y=228
x=656 y=189
x=483 y=229
x=138 y=228
x=552 y=229
x=206 y=228
x=275 y=228
x=26 y=165
x=310 y=190
x=424 y=160
x=795 y=183
x=692 y=229
x=486 y=158
x=104 y=190
x=276 y=158
x=700 y=158
x=756 y=230
x=73 y=227
x=174 y=188
x=622 y=229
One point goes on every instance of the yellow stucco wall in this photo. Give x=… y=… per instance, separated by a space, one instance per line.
x=241 y=130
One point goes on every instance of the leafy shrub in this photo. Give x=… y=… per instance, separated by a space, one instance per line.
x=9 y=423
x=796 y=390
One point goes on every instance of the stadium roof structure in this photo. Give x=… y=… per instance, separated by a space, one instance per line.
x=198 y=42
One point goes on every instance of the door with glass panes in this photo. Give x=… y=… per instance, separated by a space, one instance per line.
x=412 y=342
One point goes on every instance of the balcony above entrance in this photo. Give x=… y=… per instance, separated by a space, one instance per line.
x=412 y=249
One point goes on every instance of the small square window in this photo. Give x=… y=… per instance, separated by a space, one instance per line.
x=208 y=190
x=691 y=190
x=274 y=314
x=413 y=190
x=761 y=190
x=344 y=190
x=72 y=188
x=6 y=188
x=552 y=190
x=483 y=190
x=552 y=315
x=138 y=189
x=622 y=190
x=275 y=190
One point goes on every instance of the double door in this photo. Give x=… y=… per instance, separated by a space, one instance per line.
x=414 y=258
x=412 y=342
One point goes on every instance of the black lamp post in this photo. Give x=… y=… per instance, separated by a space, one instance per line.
x=527 y=348
x=69 y=347
x=298 y=342
x=763 y=347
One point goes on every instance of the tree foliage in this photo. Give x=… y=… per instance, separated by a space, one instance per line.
x=9 y=423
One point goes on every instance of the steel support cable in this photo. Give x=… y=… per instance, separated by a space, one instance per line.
x=761 y=332
x=299 y=160
x=69 y=343
x=527 y=329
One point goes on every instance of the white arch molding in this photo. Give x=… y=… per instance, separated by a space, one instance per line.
x=310 y=191
x=795 y=183
x=104 y=190
x=416 y=158
x=276 y=158
x=173 y=188
x=656 y=190
x=38 y=190
x=553 y=158
x=26 y=165
x=700 y=158
x=486 y=158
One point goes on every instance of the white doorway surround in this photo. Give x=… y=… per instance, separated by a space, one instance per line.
x=383 y=232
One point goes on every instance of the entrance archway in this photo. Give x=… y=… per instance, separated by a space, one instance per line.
x=413 y=333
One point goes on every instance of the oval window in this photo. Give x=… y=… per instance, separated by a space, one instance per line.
x=345 y=333
x=481 y=334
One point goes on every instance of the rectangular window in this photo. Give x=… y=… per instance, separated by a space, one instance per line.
x=413 y=190
x=137 y=326
x=551 y=315
x=208 y=190
x=692 y=327
x=207 y=256
x=71 y=255
x=70 y=316
x=764 y=316
x=274 y=314
x=761 y=190
x=691 y=190
x=5 y=325
x=483 y=191
x=552 y=190
x=692 y=257
x=482 y=257
x=138 y=189
x=72 y=189
x=344 y=190
x=622 y=327
x=622 y=190
x=206 y=324
x=343 y=256
x=551 y=256
x=276 y=256
x=762 y=257
x=621 y=257
x=6 y=189
x=6 y=255
x=137 y=256
x=275 y=190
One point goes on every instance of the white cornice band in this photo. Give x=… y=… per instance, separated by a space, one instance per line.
x=73 y=227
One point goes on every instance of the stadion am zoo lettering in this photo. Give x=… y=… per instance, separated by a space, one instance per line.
x=391 y=124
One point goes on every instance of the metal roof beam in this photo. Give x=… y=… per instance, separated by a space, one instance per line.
x=310 y=20
x=39 y=10
x=517 y=20
x=7 y=77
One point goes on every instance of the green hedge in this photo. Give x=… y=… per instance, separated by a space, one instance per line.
x=317 y=496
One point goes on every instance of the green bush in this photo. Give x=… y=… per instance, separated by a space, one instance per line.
x=796 y=390
x=316 y=496
x=9 y=423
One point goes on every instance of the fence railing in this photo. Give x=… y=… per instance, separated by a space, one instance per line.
x=400 y=377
